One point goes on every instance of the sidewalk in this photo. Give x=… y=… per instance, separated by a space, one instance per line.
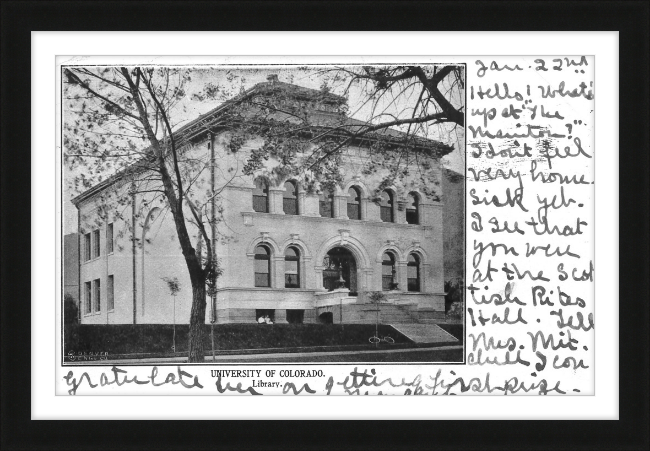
x=437 y=354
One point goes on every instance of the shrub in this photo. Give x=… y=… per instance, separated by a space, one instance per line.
x=454 y=298
x=454 y=289
x=376 y=296
x=70 y=310
x=157 y=338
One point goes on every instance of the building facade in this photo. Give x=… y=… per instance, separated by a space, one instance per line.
x=298 y=256
x=71 y=266
x=453 y=188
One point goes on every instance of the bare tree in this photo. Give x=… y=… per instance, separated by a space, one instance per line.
x=397 y=113
x=121 y=121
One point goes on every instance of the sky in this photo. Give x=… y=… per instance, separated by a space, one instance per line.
x=238 y=79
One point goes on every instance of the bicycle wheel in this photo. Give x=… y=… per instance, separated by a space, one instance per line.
x=389 y=340
x=374 y=340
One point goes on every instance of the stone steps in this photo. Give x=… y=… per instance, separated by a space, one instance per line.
x=388 y=313
x=425 y=333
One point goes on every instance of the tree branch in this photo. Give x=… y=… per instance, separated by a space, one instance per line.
x=74 y=79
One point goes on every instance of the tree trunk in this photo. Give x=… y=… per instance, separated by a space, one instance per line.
x=197 y=321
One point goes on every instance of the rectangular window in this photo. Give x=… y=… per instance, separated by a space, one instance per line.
x=109 y=238
x=261 y=314
x=98 y=297
x=110 y=295
x=291 y=279
x=87 y=247
x=353 y=211
x=413 y=275
x=412 y=216
x=386 y=276
x=290 y=206
x=260 y=204
x=386 y=214
x=88 y=299
x=325 y=208
x=295 y=316
x=262 y=279
x=262 y=273
x=262 y=266
x=414 y=285
x=96 y=244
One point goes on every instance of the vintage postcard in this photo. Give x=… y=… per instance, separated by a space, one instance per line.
x=348 y=227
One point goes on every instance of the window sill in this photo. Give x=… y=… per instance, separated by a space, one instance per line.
x=309 y=290
x=318 y=218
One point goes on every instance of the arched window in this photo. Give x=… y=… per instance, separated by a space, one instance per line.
x=326 y=204
x=412 y=209
x=290 y=199
x=388 y=273
x=354 y=203
x=413 y=272
x=386 y=206
x=262 y=266
x=261 y=196
x=292 y=268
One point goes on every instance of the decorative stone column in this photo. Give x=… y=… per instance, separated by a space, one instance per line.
x=335 y=207
x=341 y=207
x=275 y=201
x=307 y=274
x=301 y=202
x=400 y=212
x=281 y=316
x=277 y=268
x=365 y=282
x=312 y=206
x=318 y=278
x=402 y=275
x=372 y=212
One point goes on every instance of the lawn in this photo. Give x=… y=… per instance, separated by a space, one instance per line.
x=157 y=339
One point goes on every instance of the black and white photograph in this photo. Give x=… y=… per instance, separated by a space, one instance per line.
x=270 y=213
x=243 y=222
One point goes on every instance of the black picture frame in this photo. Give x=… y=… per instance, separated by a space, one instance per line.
x=630 y=18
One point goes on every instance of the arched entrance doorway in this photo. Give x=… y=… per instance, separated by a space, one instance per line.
x=326 y=318
x=340 y=270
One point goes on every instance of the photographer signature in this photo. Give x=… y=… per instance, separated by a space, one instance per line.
x=83 y=356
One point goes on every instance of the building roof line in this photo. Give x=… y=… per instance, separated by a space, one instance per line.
x=202 y=124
